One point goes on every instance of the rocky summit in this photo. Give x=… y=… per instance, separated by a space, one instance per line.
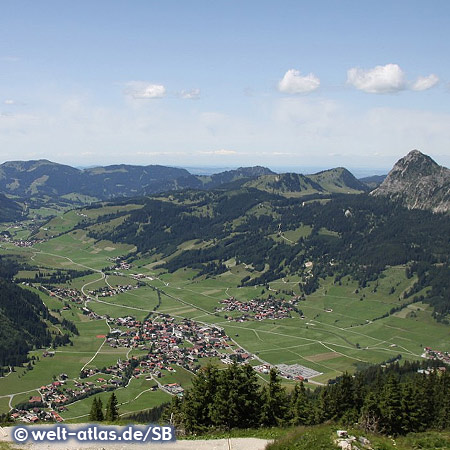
x=418 y=182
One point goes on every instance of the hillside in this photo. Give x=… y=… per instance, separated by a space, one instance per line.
x=339 y=180
x=9 y=209
x=22 y=315
x=418 y=182
x=373 y=181
x=276 y=236
x=286 y=184
x=229 y=176
x=38 y=178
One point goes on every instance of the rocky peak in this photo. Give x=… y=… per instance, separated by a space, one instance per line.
x=418 y=182
x=415 y=163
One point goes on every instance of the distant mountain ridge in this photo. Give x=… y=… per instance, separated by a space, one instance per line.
x=338 y=180
x=418 y=182
x=39 y=178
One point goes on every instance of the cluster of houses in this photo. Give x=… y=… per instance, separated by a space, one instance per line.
x=20 y=242
x=54 y=396
x=34 y=415
x=64 y=293
x=429 y=353
x=168 y=342
x=259 y=309
x=107 y=291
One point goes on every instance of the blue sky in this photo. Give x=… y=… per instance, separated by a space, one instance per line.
x=225 y=83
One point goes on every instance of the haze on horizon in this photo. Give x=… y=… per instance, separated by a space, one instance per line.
x=225 y=84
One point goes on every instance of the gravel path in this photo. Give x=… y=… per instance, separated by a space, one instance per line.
x=208 y=444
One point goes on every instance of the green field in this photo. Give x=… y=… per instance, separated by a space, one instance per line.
x=343 y=327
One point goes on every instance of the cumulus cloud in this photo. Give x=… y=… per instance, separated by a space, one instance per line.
x=424 y=83
x=9 y=102
x=142 y=90
x=294 y=83
x=379 y=80
x=192 y=94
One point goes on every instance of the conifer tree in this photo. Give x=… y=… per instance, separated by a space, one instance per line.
x=391 y=406
x=96 y=413
x=199 y=400
x=275 y=403
x=112 y=409
x=237 y=401
x=412 y=411
x=301 y=406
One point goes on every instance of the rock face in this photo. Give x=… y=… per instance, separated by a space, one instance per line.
x=418 y=182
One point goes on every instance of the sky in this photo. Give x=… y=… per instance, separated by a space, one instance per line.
x=225 y=83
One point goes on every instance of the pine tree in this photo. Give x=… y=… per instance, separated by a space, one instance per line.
x=96 y=413
x=412 y=410
x=275 y=403
x=237 y=401
x=198 y=401
x=443 y=408
x=301 y=406
x=391 y=406
x=112 y=409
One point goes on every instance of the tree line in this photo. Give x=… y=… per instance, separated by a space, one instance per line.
x=394 y=400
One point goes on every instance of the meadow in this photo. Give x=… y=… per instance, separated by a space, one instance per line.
x=343 y=326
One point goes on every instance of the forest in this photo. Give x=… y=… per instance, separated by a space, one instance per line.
x=24 y=320
x=392 y=400
x=355 y=235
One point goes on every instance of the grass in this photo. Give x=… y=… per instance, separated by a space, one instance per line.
x=322 y=437
x=342 y=326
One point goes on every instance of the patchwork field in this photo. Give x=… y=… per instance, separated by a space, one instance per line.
x=338 y=328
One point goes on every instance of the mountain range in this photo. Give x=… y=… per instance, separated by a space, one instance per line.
x=416 y=181
x=25 y=179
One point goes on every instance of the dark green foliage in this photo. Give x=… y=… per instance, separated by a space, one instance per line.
x=275 y=402
x=9 y=209
x=57 y=277
x=152 y=415
x=112 y=409
x=368 y=234
x=22 y=327
x=96 y=413
x=395 y=400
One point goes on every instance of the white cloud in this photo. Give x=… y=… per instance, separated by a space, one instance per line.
x=379 y=80
x=294 y=83
x=222 y=152
x=9 y=102
x=192 y=94
x=424 y=83
x=141 y=90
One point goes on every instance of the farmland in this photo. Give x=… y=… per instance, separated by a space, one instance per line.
x=340 y=327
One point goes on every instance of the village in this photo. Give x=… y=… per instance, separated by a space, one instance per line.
x=23 y=243
x=260 y=309
x=429 y=353
x=108 y=291
x=169 y=343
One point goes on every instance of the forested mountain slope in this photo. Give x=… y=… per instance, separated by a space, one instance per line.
x=344 y=234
